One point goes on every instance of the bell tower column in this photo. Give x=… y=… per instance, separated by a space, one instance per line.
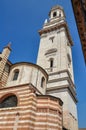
x=3 y=60
x=55 y=57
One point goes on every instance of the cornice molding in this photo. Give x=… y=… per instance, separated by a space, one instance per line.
x=65 y=87
x=71 y=87
x=55 y=27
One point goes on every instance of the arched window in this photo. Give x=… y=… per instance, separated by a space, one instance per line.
x=7 y=68
x=9 y=101
x=54 y=14
x=42 y=82
x=51 y=62
x=0 y=58
x=69 y=60
x=16 y=73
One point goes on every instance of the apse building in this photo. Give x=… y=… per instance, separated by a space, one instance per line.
x=41 y=96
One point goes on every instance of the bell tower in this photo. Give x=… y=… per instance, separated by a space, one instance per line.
x=55 y=57
x=4 y=65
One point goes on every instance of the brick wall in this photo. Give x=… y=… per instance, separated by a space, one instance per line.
x=32 y=112
x=49 y=113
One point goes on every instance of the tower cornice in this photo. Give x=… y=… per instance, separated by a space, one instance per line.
x=65 y=87
x=70 y=86
x=55 y=27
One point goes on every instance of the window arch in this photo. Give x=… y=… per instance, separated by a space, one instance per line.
x=42 y=82
x=51 y=62
x=15 y=75
x=9 y=101
x=54 y=14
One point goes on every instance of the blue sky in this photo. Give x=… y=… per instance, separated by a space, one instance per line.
x=20 y=21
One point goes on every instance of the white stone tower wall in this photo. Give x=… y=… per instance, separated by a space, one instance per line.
x=60 y=43
x=56 y=43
